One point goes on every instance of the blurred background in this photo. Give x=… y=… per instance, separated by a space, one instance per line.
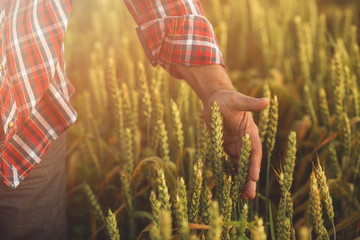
x=261 y=43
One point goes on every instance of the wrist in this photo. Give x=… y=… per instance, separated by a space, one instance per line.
x=206 y=80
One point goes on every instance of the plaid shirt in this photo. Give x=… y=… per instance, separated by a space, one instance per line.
x=35 y=93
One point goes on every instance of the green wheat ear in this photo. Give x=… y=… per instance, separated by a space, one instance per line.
x=111 y=226
x=338 y=90
x=346 y=137
x=285 y=178
x=244 y=162
x=258 y=230
x=289 y=162
x=180 y=203
x=310 y=106
x=325 y=193
x=283 y=229
x=178 y=126
x=334 y=165
x=264 y=114
x=129 y=164
x=355 y=97
x=357 y=158
x=125 y=186
x=303 y=51
x=195 y=191
x=216 y=222
x=144 y=90
x=243 y=220
x=226 y=207
x=155 y=207
x=119 y=116
x=205 y=203
x=180 y=209
x=92 y=154
x=315 y=208
x=217 y=146
x=111 y=76
x=270 y=143
x=321 y=57
x=184 y=230
x=164 y=142
x=95 y=206
x=181 y=198
x=155 y=233
x=166 y=224
x=355 y=56
x=163 y=191
x=324 y=109
x=272 y=125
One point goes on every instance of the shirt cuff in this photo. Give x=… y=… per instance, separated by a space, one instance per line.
x=188 y=40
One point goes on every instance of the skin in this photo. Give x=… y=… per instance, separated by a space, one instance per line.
x=236 y=110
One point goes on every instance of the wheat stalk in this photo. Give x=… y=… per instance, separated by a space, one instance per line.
x=195 y=191
x=225 y=209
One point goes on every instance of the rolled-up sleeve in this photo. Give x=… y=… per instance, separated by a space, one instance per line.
x=175 y=32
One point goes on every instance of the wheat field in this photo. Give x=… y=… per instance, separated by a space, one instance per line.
x=142 y=164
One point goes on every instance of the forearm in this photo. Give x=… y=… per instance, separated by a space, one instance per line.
x=205 y=80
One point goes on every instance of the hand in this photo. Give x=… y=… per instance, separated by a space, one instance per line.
x=212 y=83
x=237 y=119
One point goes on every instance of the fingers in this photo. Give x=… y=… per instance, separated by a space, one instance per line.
x=243 y=195
x=254 y=164
x=250 y=190
x=242 y=102
x=255 y=156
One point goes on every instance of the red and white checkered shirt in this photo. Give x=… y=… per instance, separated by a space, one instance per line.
x=35 y=93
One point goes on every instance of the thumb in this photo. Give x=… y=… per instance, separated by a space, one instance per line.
x=242 y=102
